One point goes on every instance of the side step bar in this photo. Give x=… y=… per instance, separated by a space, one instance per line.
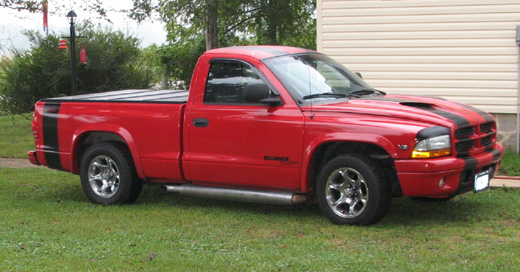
x=242 y=195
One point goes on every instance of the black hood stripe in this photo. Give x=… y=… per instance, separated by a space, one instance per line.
x=50 y=134
x=482 y=113
x=459 y=120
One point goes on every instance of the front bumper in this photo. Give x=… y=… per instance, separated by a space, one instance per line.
x=447 y=176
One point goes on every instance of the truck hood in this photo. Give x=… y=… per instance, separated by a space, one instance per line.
x=431 y=110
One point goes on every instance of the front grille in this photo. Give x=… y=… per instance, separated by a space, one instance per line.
x=464 y=145
x=486 y=127
x=474 y=140
x=464 y=132
x=486 y=141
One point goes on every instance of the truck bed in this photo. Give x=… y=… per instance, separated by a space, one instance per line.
x=135 y=96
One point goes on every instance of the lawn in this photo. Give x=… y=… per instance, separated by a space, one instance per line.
x=48 y=225
x=15 y=136
x=510 y=165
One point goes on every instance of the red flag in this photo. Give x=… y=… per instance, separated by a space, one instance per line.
x=45 y=9
x=83 y=55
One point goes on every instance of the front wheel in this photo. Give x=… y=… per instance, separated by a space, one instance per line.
x=352 y=191
x=108 y=175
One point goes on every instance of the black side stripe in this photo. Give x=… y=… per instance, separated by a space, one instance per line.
x=495 y=152
x=470 y=164
x=50 y=134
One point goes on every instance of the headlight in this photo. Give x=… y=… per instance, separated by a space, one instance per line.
x=433 y=147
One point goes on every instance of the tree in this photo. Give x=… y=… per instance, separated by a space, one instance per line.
x=44 y=70
x=36 y=6
x=225 y=23
x=19 y=5
x=259 y=21
x=283 y=22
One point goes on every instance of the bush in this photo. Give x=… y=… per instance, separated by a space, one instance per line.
x=114 y=63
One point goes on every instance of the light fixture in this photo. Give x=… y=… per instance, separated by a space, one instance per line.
x=72 y=16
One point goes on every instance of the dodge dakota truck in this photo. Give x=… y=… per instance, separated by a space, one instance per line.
x=270 y=124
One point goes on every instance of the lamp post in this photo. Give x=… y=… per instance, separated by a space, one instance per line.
x=72 y=17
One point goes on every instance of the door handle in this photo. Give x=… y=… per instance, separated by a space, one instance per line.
x=200 y=122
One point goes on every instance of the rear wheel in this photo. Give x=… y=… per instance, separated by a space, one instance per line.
x=108 y=174
x=351 y=190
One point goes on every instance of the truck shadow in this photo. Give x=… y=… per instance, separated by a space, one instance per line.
x=403 y=211
x=406 y=211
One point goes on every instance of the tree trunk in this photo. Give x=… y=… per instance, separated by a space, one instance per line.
x=272 y=22
x=211 y=24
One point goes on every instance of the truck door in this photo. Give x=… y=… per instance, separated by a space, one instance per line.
x=235 y=142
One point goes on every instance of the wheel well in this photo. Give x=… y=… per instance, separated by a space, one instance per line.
x=92 y=138
x=328 y=151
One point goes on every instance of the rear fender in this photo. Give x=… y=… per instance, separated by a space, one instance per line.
x=124 y=134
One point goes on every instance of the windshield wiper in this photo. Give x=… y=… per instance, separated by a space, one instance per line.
x=365 y=91
x=336 y=95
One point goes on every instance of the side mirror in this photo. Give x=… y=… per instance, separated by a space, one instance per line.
x=358 y=74
x=260 y=93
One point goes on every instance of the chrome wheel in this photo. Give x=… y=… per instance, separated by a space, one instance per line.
x=346 y=192
x=103 y=176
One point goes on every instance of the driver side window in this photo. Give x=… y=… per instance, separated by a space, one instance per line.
x=227 y=82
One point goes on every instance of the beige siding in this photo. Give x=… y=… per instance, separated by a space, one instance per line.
x=462 y=50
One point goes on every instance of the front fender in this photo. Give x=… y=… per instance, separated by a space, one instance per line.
x=363 y=138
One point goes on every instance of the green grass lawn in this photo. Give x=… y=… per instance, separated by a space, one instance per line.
x=510 y=165
x=47 y=224
x=15 y=136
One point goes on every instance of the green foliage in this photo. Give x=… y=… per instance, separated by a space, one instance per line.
x=180 y=59
x=29 y=76
x=113 y=61
x=44 y=71
x=283 y=22
x=48 y=225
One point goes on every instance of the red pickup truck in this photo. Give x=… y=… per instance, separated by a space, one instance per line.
x=270 y=124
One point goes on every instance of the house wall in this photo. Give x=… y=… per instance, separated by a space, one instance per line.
x=462 y=50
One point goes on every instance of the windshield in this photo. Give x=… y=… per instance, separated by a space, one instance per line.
x=317 y=77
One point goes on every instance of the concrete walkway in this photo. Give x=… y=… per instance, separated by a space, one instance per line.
x=499 y=181
x=503 y=181
x=15 y=163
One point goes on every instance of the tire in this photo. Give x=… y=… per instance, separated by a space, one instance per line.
x=351 y=190
x=108 y=174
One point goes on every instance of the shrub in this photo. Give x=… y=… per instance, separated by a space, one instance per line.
x=44 y=71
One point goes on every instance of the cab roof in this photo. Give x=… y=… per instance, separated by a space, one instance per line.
x=259 y=51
